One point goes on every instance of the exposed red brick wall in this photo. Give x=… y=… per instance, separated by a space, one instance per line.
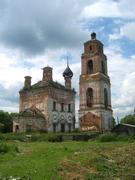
x=90 y=122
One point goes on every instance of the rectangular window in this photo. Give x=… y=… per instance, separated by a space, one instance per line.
x=62 y=107
x=54 y=106
x=69 y=107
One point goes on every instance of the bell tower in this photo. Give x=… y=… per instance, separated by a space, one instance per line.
x=95 y=93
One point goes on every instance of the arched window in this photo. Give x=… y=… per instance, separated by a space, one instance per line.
x=105 y=98
x=103 y=67
x=90 y=67
x=89 y=97
x=90 y=48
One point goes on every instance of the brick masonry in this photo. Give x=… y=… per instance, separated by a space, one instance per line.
x=95 y=77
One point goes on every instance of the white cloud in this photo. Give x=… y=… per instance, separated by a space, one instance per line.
x=128 y=30
x=122 y=75
x=110 y=9
x=34 y=26
x=63 y=31
x=101 y=8
x=114 y=36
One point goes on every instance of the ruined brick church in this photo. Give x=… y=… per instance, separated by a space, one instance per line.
x=46 y=105
x=50 y=106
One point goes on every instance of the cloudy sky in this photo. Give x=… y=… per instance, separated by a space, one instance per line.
x=36 y=33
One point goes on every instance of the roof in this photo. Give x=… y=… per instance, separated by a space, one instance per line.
x=122 y=125
x=94 y=41
x=44 y=84
x=129 y=125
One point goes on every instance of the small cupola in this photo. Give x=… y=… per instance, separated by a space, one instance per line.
x=93 y=46
x=93 y=36
x=68 y=74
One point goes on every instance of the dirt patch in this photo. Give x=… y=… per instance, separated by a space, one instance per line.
x=73 y=171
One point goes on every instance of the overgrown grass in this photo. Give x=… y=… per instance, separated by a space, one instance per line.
x=101 y=161
x=69 y=160
x=42 y=160
x=5 y=148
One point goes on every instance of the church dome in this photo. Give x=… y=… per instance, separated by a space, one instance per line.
x=68 y=73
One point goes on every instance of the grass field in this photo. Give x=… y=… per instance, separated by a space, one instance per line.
x=69 y=160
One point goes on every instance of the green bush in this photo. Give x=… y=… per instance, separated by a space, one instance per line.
x=23 y=137
x=81 y=137
x=125 y=137
x=2 y=136
x=56 y=138
x=108 y=137
x=4 y=148
x=15 y=136
x=76 y=130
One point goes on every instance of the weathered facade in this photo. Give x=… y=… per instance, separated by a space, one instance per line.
x=95 y=93
x=31 y=119
x=55 y=101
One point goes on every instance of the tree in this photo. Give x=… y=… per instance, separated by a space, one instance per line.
x=129 y=119
x=5 y=121
x=1 y=127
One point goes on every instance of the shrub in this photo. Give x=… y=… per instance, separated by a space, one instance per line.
x=15 y=136
x=4 y=148
x=76 y=130
x=57 y=138
x=2 y=136
x=108 y=137
x=125 y=137
x=81 y=137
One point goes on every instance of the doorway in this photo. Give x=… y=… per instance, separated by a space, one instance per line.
x=62 y=127
x=16 y=128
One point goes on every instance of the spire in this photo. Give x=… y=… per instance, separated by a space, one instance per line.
x=67 y=61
